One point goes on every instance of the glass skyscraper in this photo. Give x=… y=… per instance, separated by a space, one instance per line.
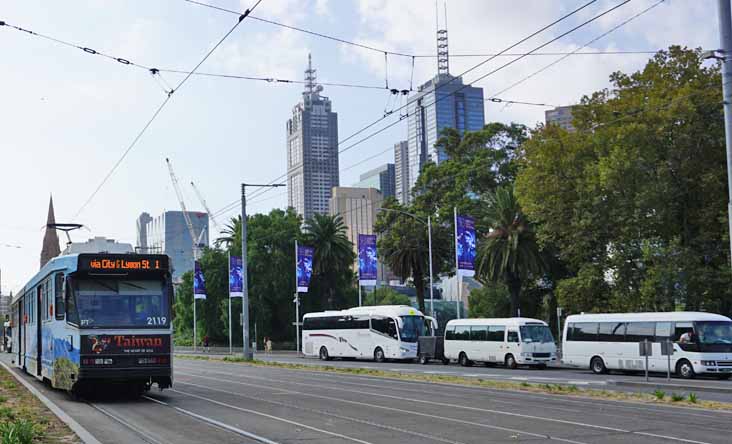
x=381 y=178
x=168 y=234
x=312 y=151
x=442 y=102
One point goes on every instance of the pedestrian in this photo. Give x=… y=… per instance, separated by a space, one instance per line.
x=205 y=344
x=268 y=346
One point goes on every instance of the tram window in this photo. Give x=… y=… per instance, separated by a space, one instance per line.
x=59 y=306
x=72 y=315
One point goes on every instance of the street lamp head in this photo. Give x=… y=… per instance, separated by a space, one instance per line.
x=716 y=54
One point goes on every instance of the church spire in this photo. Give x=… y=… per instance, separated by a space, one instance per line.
x=50 y=238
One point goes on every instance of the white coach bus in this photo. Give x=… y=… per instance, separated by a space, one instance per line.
x=376 y=332
x=602 y=342
x=509 y=341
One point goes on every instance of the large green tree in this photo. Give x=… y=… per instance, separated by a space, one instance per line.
x=332 y=260
x=508 y=253
x=403 y=245
x=634 y=201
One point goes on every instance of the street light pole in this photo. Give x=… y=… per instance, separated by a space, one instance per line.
x=725 y=38
x=429 y=241
x=247 y=351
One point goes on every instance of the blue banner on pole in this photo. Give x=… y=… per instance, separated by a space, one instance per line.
x=236 y=284
x=199 y=283
x=304 y=267
x=465 y=245
x=367 y=259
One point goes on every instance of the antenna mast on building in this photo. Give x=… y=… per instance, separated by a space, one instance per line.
x=310 y=77
x=443 y=59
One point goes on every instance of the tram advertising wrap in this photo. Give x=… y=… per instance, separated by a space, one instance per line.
x=124 y=344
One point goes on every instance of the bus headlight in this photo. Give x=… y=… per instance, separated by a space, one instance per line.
x=709 y=363
x=404 y=350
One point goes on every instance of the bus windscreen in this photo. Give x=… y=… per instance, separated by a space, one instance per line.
x=412 y=328
x=117 y=303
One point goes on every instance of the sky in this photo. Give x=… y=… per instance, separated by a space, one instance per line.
x=67 y=116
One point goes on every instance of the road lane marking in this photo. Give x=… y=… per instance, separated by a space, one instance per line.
x=509 y=393
x=254 y=412
x=212 y=421
x=328 y=413
x=498 y=412
x=411 y=412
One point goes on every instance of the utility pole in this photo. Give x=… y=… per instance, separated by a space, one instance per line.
x=725 y=38
x=247 y=351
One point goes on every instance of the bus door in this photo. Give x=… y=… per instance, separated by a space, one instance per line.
x=39 y=346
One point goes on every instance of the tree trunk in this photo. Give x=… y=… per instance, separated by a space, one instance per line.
x=419 y=288
x=514 y=288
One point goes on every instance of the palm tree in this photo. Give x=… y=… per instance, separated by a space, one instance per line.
x=231 y=234
x=333 y=254
x=509 y=252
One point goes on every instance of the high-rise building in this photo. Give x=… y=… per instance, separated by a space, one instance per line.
x=168 y=234
x=50 y=248
x=358 y=207
x=561 y=116
x=401 y=171
x=142 y=222
x=382 y=178
x=442 y=102
x=312 y=150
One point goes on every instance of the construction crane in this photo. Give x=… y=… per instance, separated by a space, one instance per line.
x=195 y=239
x=205 y=206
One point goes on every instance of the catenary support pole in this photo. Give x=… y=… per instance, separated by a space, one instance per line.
x=725 y=38
x=228 y=272
x=457 y=268
x=432 y=284
x=194 y=320
x=247 y=352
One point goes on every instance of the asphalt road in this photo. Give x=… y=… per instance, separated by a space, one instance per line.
x=707 y=387
x=219 y=402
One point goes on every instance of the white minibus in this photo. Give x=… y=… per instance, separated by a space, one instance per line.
x=702 y=342
x=377 y=332
x=509 y=341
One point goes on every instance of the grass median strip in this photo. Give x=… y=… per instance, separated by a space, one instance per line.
x=25 y=420
x=692 y=400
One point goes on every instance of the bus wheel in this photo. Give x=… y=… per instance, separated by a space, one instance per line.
x=379 y=355
x=511 y=362
x=463 y=360
x=685 y=370
x=598 y=366
x=323 y=354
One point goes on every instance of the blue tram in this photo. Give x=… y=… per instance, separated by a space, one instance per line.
x=86 y=320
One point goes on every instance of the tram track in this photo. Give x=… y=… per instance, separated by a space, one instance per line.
x=145 y=437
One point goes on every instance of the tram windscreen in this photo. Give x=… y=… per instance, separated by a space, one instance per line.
x=115 y=303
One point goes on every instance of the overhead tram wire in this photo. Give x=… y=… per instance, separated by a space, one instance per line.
x=401 y=53
x=160 y=108
x=565 y=56
x=564 y=17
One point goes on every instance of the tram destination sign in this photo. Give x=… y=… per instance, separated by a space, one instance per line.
x=115 y=263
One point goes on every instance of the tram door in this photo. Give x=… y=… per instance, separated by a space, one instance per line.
x=21 y=330
x=39 y=347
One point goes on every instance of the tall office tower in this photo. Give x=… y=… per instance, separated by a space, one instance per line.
x=168 y=234
x=382 y=178
x=359 y=208
x=401 y=171
x=561 y=115
x=442 y=102
x=312 y=150
x=142 y=222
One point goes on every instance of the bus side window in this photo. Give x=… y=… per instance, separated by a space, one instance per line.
x=681 y=328
x=663 y=331
x=59 y=304
x=450 y=333
x=392 y=329
x=512 y=336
